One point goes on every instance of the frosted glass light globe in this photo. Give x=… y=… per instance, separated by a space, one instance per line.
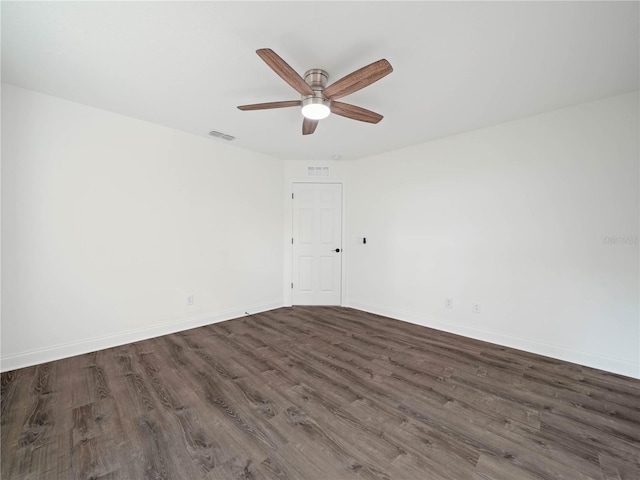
x=315 y=108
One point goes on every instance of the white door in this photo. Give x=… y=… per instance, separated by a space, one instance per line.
x=317 y=243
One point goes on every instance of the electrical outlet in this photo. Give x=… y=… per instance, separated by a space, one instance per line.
x=448 y=303
x=476 y=308
x=190 y=299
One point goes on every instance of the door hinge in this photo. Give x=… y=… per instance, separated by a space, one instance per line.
x=292 y=196
x=291 y=284
x=291 y=240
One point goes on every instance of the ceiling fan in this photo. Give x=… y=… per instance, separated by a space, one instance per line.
x=319 y=100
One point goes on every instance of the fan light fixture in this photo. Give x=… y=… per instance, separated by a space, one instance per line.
x=317 y=100
x=315 y=108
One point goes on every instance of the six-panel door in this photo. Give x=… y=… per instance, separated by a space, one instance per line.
x=317 y=243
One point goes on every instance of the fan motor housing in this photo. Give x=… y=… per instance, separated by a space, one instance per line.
x=317 y=79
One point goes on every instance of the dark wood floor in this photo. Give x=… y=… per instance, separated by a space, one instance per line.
x=318 y=393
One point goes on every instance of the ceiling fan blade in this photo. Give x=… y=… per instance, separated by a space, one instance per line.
x=358 y=80
x=264 y=106
x=285 y=71
x=355 y=113
x=309 y=126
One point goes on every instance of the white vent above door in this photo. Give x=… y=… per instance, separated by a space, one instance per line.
x=317 y=171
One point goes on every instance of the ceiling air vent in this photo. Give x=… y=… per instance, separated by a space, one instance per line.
x=223 y=136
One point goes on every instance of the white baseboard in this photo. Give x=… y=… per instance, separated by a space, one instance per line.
x=581 y=357
x=57 y=352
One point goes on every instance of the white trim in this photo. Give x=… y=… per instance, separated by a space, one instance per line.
x=581 y=357
x=57 y=352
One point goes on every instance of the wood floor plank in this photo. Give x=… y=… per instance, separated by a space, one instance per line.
x=317 y=393
x=492 y=468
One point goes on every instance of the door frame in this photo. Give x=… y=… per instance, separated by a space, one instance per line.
x=288 y=293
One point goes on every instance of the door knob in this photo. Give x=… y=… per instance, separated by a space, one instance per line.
x=337 y=250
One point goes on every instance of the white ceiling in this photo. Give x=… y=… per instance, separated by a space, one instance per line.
x=458 y=66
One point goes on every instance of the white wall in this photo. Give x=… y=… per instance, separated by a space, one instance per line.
x=110 y=222
x=515 y=217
